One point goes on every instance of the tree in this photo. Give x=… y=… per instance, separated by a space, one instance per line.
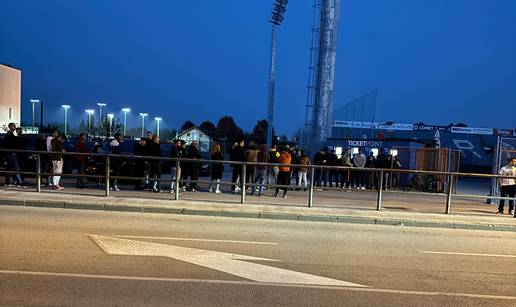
x=228 y=130
x=187 y=125
x=259 y=134
x=208 y=128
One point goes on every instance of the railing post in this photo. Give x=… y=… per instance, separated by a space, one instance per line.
x=449 y=195
x=242 y=182
x=107 y=175
x=38 y=175
x=380 y=192
x=176 y=185
x=311 y=190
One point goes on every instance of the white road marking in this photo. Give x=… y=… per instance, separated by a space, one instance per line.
x=468 y=254
x=251 y=283
x=198 y=240
x=224 y=262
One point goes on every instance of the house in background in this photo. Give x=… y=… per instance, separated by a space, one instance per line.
x=10 y=96
x=196 y=134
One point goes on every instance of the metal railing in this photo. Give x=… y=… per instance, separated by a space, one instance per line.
x=379 y=174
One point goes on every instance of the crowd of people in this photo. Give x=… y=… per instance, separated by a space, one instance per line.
x=265 y=167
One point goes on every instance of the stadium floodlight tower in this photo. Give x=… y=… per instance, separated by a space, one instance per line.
x=278 y=12
x=65 y=107
x=143 y=115
x=125 y=110
x=322 y=68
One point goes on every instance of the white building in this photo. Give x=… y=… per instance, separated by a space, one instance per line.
x=196 y=134
x=10 y=96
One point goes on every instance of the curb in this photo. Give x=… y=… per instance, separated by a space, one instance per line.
x=257 y=215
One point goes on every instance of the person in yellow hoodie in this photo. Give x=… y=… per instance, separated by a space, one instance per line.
x=284 y=172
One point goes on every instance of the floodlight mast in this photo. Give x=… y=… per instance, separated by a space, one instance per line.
x=278 y=11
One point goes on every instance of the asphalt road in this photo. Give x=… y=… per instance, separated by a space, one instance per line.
x=52 y=257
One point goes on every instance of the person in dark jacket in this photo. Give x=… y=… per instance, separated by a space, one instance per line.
x=194 y=152
x=154 y=150
x=262 y=170
x=237 y=154
x=176 y=151
x=216 y=168
x=117 y=163
x=332 y=173
x=140 y=149
x=11 y=142
x=319 y=159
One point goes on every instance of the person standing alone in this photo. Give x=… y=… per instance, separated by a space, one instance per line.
x=508 y=185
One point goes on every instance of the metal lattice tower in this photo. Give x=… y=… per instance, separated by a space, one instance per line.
x=321 y=73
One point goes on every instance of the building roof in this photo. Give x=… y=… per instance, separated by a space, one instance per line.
x=191 y=129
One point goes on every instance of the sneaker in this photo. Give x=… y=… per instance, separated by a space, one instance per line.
x=363 y=188
x=284 y=195
x=511 y=212
x=210 y=190
x=218 y=192
x=193 y=189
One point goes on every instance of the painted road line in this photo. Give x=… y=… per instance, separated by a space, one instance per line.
x=220 y=261
x=251 y=283
x=468 y=254
x=197 y=240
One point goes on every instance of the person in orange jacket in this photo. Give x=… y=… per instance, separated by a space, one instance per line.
x=284 y=171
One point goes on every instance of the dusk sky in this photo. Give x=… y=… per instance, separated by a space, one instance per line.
x=436 y=61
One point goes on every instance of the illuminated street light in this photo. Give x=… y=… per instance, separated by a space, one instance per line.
x=65 y=107
x=143 y=115
x=110 y=116
x=33 y=101
x=125 y=110
x=157 y=119
x=90 y=113
x=101 y=105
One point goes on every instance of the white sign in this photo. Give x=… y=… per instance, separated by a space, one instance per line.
x=470 y=130
x=234 y=264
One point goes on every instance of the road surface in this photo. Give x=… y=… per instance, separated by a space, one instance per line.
x=54 y=257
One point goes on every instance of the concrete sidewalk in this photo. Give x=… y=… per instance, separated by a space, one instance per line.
x=292 y=212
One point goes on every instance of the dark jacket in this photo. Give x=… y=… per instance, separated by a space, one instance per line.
x=10 y=140
x=263 y=157
x=319 y=158
x=153 y=149
x=57 y=150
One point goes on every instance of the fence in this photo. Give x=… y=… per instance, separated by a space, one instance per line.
x=380 y=174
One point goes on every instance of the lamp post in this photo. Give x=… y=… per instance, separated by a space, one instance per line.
x=65 y=107
x=125 y=110
x=110 y=116
x=101 y=105
x=157 y=119
x=278 y=11
x=143 y=115
x=33 y=101
x=90 y=112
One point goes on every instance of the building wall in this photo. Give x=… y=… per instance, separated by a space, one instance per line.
x=10 y=96
x=196 y=135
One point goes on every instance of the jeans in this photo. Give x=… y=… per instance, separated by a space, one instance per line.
x=507 y=191
x=12 y=162
x=57 y=169
x=301 y=179
x=262 y=177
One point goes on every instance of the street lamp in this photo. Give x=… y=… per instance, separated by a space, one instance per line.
x=110 y=116
x=90 y=112
x=143 y=115
x=125 y=110
x=157 y=119
x=65 y=107
x=101 y=105
x=33 y=101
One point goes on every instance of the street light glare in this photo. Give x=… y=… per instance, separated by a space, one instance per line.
x=65 y=106
x=100 y=104
x=126 y=110
x=144 y=114
x=158 y=118
x=34 y=100
x=90 y=111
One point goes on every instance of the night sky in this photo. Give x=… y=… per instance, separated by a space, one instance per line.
x=436 y=61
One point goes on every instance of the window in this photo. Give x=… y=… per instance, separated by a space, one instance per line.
x=188 y=134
